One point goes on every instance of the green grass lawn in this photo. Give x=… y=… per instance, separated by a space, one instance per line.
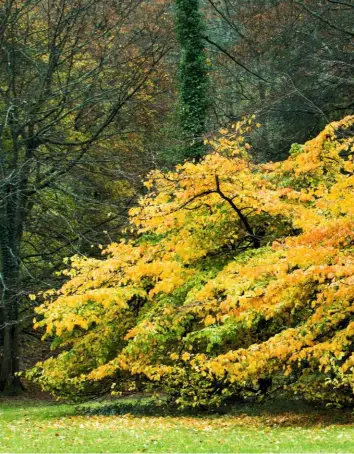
x=28 y=426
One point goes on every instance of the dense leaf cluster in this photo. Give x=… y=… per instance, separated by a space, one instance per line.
x=238 y=282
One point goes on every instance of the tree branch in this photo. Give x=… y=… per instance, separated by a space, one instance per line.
x=244 y=220
x=341 y=3
x=224 y=51
x=325 y=21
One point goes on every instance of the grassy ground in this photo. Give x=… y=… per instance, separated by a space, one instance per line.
x=27 y=426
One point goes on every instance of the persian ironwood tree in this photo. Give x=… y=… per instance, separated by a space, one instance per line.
x=239 y=281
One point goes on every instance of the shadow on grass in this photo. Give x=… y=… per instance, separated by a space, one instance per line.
x=271 y=413
x=274 y=413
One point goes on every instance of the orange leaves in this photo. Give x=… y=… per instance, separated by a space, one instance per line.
x=191 y=302
x=209 y=320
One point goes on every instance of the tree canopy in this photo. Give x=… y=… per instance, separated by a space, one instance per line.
x=110 y=112
x=234 y=279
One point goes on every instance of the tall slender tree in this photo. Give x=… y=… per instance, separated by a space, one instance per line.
x=193 y=76
x=69 y=72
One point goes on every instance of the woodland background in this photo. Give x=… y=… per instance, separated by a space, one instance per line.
x=96 y=94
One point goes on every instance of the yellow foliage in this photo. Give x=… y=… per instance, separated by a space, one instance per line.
x=237 y=273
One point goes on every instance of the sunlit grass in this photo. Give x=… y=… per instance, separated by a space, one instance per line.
x=27 y=426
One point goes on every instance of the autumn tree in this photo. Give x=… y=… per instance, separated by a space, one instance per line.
x=70 y=71
x=238 y=283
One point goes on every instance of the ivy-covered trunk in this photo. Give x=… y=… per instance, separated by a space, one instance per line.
x=193 y=76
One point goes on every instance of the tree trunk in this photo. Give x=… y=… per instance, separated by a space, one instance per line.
x=9 y=382
x=193 y=75
x=10 y=236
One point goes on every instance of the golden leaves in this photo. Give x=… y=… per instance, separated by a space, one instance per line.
x=209 y=320
x=192 y=290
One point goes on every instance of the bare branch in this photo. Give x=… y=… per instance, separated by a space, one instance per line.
x=322 y=19
x=224 y=51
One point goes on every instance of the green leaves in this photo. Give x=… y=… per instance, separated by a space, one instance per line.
x=192 y=307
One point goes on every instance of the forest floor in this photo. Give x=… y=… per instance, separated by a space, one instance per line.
x=126 y=426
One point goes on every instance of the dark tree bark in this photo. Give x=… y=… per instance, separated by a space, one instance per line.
x=10 y=237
